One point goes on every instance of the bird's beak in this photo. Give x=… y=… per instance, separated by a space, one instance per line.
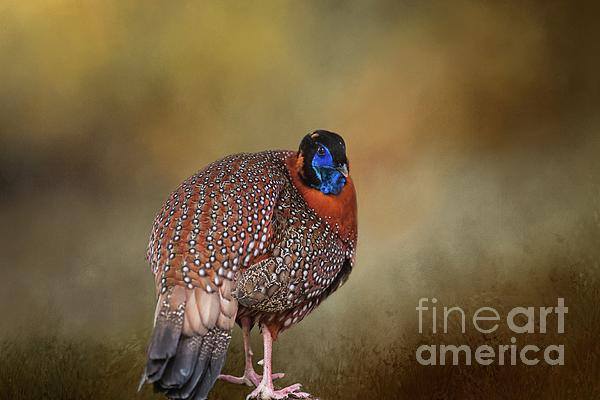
x=343 y=169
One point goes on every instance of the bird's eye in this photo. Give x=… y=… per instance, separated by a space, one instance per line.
x=321 y=151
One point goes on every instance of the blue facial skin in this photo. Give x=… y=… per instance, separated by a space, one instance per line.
x=331 y=180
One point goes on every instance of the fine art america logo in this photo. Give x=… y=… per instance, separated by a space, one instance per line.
x=503 y=354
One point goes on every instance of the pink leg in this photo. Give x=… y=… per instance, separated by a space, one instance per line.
x=250 y=377
x=265 y=390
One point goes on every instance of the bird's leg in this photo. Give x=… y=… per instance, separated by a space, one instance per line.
x=250 y=377
x=265 y=390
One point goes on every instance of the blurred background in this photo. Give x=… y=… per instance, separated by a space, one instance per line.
x=473 y=134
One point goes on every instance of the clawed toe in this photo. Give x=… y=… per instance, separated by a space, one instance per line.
x=262 y=392
x=236 y=380
x=293 y=391
x=250 y=378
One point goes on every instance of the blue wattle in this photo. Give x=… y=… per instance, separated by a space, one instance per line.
x=331 y=180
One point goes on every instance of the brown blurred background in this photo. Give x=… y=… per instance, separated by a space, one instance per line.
x=474 y=138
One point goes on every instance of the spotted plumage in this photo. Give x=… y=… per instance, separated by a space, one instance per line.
x=258 y=238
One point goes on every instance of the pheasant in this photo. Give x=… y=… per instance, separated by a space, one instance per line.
x=254 y=238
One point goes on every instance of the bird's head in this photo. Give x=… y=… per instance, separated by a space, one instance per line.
x=322 y=161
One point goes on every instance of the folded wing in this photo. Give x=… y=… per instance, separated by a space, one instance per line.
x=212 y=227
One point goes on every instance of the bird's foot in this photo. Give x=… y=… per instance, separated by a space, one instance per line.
x=250 y=378
x=263 y=392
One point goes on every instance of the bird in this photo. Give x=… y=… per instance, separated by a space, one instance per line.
x=258 y=239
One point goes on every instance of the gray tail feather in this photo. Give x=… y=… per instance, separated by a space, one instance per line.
x=184 y=367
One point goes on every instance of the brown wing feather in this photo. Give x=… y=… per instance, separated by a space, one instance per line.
x=214 y=225
x=216 y=222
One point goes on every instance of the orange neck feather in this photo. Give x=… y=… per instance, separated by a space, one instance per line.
x=337 y=209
